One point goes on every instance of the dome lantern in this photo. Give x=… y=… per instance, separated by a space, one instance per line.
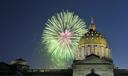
x=92 y=25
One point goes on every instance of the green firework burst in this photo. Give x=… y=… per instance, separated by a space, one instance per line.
x=61 y=36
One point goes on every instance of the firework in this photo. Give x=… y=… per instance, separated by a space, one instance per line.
x=61 y=36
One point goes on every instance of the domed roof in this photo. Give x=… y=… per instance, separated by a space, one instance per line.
x=93 y=37
x=19 y=61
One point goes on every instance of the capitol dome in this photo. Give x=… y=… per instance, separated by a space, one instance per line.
x=93 y=42
x=93 y=37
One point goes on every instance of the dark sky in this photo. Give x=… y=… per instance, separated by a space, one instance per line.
x=22 y=22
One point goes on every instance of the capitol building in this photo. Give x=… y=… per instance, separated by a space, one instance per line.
x=93 y=58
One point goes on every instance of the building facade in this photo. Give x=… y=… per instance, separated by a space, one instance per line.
x=93 y=55
x=93 y=58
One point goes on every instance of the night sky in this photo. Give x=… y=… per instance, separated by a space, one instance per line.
x=22 y=23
